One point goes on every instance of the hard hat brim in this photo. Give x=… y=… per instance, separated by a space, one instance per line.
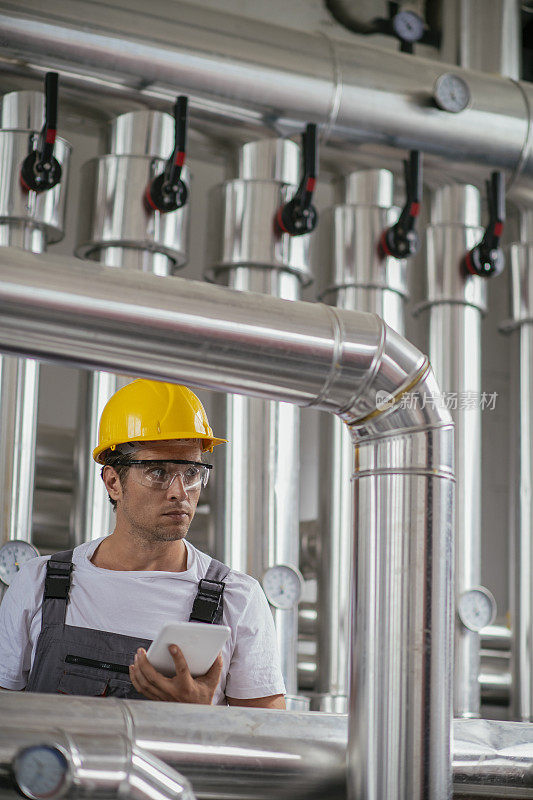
x=209 y=443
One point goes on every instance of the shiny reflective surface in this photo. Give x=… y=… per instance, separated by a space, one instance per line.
x=224 y=752
x=242 y=228
x=521 y=480
x=240 y=752
x=119 y=217
x=361 y=280
x=259 y=527
x=275 y=79
x=92 y=512
x=28 y=221
x=455 y=303
x=402 y=657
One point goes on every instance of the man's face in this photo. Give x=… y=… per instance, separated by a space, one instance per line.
x=158 y=515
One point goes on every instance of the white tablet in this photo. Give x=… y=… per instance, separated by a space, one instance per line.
x=199 y=642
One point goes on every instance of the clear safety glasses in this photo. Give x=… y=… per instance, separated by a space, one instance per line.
x=162 y=474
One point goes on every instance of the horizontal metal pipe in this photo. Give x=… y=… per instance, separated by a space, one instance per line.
x=249 y=753
x=247 y=76
x=312 y=355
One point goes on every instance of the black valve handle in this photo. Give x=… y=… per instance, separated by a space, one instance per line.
x=486 y=258
x=299 y=216
x=167 y=192
x=402 y=240
x=40 y=171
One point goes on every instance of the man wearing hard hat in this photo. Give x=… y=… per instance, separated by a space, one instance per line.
x=80 y=622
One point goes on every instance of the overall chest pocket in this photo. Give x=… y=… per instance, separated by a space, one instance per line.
x=87 y=676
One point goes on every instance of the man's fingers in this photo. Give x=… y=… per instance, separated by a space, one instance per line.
x=145 y=672
x=182 y=668
x=142 y=686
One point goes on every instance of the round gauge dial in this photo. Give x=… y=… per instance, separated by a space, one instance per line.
x=13 y=555
x=408 y=26
x=476 y=608
x=283 y=585
x=451 y=93
x=41 y=771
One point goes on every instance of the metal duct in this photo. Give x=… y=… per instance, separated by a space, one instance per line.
x=121 y=232
x=245 y=76
x=333 y=360
x=28 y=221
x=455 y=304
x=521 y=478
x=362 y=280
x=245 y=753
x=258 y=501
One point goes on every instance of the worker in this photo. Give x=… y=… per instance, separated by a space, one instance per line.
x=81 y=621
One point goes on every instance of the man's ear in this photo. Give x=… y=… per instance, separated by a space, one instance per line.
x=112 y=482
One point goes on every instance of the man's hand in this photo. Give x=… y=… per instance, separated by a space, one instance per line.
x=182 y=688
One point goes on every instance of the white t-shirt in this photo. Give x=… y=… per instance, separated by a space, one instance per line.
x=138 y=604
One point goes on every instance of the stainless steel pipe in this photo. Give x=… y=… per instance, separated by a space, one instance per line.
x=258 y=519
x=455 y=304
x=521 y=477
x=249 y=754
x=336 y=361
x=360 y=280
x=28 y=220
x=268 y=78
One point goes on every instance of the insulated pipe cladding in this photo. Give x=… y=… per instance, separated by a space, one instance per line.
x=28 y=220
x=362 y=279
x=258 y=530
x=122 y=231
x=247 y=77
x=333 y=360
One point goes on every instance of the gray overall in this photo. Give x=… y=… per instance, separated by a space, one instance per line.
x=84 y=661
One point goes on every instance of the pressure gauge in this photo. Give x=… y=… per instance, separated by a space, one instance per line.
x=451 y=93
x=41 y=771
x=408 y=26
x=283 y=585
x=476 y=608
x=13 y=555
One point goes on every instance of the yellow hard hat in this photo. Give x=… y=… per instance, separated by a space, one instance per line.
x=152 y=411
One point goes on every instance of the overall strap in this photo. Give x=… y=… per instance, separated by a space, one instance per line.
x=56 y=588
x=209 y=602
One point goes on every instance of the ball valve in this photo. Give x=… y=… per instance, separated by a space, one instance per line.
x=40 y=171
x=299 y=216
x=486 y=258
x=401 y=240
x=167 y=192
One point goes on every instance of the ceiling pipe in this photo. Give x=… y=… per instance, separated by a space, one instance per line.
x=333 y=360
x=270 y=79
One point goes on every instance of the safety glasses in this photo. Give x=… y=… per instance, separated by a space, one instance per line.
x=160 y=474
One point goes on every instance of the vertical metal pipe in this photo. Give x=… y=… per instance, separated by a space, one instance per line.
x=483 y=37
x=455 y=304
x=122 y=233
x=258 y=489
x=521 y=478
x=400 y=702
x=362 y=280
x=29 y=220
